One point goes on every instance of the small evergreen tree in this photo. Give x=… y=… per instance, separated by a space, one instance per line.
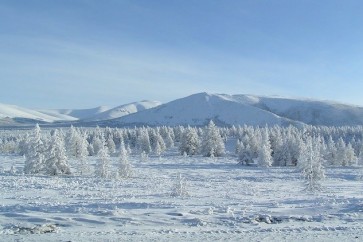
x=56 y=162
x=82 y=154
x=310 y=163
x=189 y=142
x=213 y=143
x=125 y=168
x=264 y=156
x=103 y=161
x=34 y=153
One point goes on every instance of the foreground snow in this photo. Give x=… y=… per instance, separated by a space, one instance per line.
x=225 y=202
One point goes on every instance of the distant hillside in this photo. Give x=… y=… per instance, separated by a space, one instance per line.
x=196 y=109
x=124 y=110
x=199 y=108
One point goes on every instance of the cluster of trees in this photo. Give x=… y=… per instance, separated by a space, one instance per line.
x=278 y=146
x=47 y=151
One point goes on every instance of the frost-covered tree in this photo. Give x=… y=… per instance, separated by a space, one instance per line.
x=143 y=141
x=81 y=155
x=239 y=146
x=350 y=157
x=34 y=153
x=341 y=153
x=124 y=168
x=158 y=144
x=310 y=163
x=168 y=136
x=56 y=162
x=144 y=157
x=110 y=144
x=245 y=155
x=264 y=157
x=189 y=142
x=103 y=162
x=180 y=188
x=71 y=141
x=212 y=144
x=330 y=154
x=98 y=143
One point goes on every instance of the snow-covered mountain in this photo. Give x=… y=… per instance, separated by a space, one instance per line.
x=311 y=112
x=124 y=110
x=11 y=115
x=199 y=108
x=16 y=112
x=77 y=114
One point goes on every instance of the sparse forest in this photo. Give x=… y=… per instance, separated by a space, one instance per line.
x=48 y=151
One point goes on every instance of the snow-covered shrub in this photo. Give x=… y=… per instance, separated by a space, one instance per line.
x=180 y=188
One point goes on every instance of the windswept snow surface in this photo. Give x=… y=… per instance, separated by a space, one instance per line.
x=226 y=202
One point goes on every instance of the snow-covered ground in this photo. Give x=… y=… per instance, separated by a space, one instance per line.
x=225 y=202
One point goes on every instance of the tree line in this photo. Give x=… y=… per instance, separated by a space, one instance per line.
x=48 y=151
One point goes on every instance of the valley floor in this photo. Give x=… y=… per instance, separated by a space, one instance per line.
x=225 y=202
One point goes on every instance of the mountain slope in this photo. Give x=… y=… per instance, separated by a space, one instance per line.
x=199 y=108
x=13 y=111
x=312 y=112
x=76 y=114
x=124 y=110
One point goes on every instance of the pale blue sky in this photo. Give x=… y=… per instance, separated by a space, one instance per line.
x=85 y=53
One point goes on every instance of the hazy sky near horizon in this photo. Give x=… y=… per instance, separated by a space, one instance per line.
x=86 y=53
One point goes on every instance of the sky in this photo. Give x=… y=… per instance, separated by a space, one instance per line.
x=87 y=53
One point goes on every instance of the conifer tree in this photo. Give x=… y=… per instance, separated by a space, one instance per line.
x=212 y=144
x=310 y=163
x=125 y=168
x=189 y=142
x=56 y=162
x=34 y=153
x=103 y=161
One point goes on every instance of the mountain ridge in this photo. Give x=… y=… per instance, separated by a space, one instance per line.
x=197 y=109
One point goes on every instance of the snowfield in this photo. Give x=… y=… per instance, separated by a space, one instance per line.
x=221 y=201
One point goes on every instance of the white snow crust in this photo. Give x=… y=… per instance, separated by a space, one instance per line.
x=224 y=202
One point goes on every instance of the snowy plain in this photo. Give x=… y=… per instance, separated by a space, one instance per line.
x=225 y=202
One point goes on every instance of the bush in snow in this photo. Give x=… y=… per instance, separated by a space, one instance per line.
x=144 y=157
x=180 y=189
